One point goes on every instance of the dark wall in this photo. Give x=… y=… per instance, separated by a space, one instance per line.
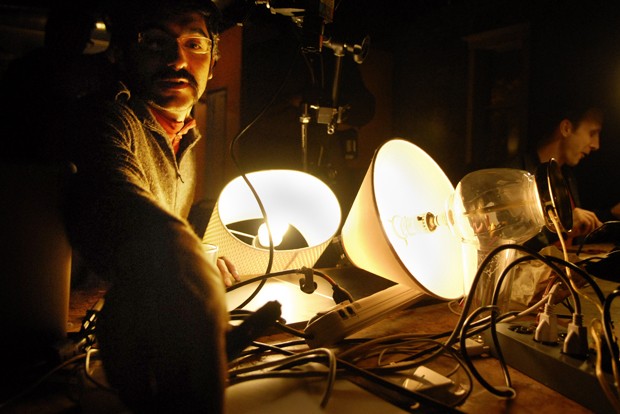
x=430 y=89
x=574 y=51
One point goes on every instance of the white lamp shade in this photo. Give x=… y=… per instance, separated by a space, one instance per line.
x=295 y=197
x=404 y=181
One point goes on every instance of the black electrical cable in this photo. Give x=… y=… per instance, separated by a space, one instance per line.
x=458 y=334
x=599 y=293
x=601 y=229
x=293 y=331
x=485 y=263
x=608 y=325
x=527 y=258
x=262 y=278
x=452 y=353
x=509 y=393
x=482 y=325
x=402 y=397
x=250 y=186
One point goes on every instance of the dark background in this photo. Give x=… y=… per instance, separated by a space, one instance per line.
x=466 y=80
x=470 y=80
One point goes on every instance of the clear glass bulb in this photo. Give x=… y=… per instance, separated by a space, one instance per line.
x=278 y=230
x=488 y=208
x=495 y=206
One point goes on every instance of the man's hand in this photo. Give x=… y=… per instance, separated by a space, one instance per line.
x=228 y=271
x=584 y=221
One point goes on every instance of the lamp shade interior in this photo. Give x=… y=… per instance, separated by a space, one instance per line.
x=403 y=182
x=293 y=197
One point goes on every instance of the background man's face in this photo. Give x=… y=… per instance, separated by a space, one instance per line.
x=582 y=139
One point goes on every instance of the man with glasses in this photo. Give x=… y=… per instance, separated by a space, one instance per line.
x=162 y=328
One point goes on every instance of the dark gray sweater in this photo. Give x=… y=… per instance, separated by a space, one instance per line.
x=128 y=181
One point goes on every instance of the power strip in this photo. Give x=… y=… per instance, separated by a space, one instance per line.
x=572 y=377
x=337 y=323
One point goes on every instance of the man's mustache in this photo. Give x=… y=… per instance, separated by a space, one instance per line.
x=169 y=74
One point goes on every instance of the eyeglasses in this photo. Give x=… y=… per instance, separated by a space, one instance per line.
x=159 y=41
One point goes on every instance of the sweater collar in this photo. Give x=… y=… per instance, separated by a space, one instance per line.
x=174 y=129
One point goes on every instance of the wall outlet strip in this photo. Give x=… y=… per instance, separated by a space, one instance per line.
x=572 y=377
x=329 y=327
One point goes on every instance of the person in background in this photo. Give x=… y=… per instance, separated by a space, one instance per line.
x=162 y=329
x=569 y=134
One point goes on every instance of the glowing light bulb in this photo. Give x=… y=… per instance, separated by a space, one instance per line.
x=408 y=226
x=278 y=230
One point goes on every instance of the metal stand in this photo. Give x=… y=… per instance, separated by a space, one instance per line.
x=332 y=114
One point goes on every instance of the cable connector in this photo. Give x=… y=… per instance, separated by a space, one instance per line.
x=240 y=337
x=547 y=329
x=473 y=347
x=307 y=283
x=576 y=341
x=341 y=294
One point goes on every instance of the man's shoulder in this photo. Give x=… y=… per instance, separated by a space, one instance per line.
x=114 y=92
x=105 y=102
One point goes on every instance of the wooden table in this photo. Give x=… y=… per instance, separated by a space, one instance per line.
x=426 y=317
x=531 y=395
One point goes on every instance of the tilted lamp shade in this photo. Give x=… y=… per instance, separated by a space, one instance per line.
x=294 y=197
x=403 y=181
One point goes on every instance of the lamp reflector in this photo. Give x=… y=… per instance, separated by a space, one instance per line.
x=403 y=181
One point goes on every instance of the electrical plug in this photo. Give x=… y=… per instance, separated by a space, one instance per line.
x=240 y=337
x=307 y=283
x=547 y=329
x=473 y=347
x=340 y=294
x=576 y=341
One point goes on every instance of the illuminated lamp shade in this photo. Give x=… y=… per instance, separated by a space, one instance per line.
x=402 y=181
x=294 y=201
